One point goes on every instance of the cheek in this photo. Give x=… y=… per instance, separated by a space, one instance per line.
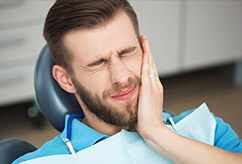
x=134 y=64
x=95 y=84
x=101 y=84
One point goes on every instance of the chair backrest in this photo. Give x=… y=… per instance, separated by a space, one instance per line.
x=53 y=100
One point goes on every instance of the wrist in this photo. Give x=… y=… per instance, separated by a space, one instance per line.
x=151 y=131
x=159 y=139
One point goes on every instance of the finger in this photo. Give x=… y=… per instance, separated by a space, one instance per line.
x=145 y=44
x=147 y=48
x=145 y=60
x=151 y=68
x=142 y=42
x=145 y=67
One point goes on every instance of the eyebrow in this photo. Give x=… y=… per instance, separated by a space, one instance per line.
x=101 y=60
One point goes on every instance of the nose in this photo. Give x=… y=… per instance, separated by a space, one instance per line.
x=119 y=72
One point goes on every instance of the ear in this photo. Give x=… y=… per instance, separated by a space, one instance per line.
x=63 y=78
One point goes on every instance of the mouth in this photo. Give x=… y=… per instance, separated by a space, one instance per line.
x=125 y=95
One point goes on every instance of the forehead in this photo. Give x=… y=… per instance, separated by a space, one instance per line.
x=89 y=44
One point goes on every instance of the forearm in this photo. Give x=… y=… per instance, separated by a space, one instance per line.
x=179 y=149
x=174 y=147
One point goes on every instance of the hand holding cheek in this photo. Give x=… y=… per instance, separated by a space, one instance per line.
x=150 y=107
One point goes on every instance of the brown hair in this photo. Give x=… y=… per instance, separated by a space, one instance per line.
x=67 y=15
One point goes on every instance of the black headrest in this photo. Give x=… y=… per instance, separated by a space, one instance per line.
x=53 y=100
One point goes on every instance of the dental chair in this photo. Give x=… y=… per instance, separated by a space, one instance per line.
x=54 y=102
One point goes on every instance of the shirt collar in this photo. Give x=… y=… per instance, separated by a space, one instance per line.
x=166 y=115
x=82 y=135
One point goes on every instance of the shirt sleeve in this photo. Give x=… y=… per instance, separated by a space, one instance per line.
x=52 y=147
x=226 y=138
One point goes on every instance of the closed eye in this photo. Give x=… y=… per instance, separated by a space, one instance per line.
x=124 y=52
x=127 y=51
x=98 y=62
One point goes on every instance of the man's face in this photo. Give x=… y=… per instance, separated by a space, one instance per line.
x=106 y=69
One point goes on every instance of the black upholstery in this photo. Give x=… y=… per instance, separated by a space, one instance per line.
x=12 y=148
x=53 y=100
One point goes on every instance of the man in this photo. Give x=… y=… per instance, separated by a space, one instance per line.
x=103 y=60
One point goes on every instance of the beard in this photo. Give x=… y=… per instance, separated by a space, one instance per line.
x=107 y=112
